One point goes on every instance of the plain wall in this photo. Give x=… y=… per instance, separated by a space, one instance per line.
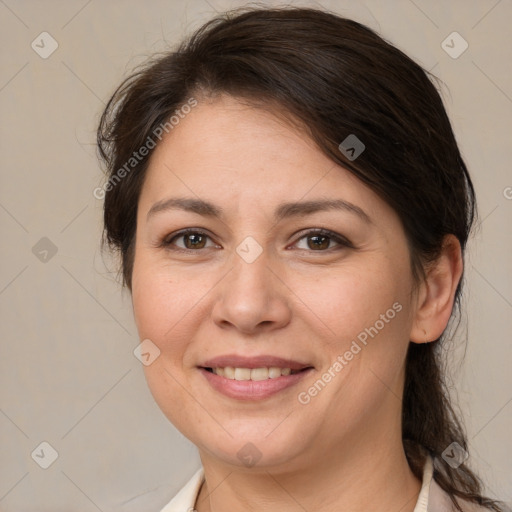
x=67 y=371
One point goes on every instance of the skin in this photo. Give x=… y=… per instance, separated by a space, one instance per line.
x=342 y=450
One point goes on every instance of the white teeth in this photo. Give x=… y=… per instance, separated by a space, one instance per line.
x=259 y=374
x=242 y=373
x=274 y=372
x=229 y=372
x=251 y=374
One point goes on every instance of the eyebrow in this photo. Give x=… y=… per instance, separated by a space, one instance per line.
x=283 y=211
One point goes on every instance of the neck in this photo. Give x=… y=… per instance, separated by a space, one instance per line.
x=357 y=476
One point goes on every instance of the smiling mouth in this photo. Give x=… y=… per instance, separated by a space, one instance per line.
x=254 y=374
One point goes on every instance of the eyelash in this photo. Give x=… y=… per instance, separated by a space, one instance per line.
x=167 y=242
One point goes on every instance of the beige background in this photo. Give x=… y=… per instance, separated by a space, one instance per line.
x=67 y=371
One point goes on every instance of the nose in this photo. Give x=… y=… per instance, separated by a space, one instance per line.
x=252 y=298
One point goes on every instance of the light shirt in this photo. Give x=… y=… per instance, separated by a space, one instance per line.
x=431 y=498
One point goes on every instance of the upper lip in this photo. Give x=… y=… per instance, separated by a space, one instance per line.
x=262 y=361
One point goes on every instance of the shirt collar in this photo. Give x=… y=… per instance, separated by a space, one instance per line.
x=422 y=503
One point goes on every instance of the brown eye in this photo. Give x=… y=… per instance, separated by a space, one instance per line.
x=316 y=242
x=320 y=240
x=192 y=240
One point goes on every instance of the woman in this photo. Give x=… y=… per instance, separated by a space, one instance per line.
x=291 y=210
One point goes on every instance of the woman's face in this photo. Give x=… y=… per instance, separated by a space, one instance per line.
x=255 y=282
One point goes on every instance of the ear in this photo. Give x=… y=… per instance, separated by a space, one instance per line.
x=437 y=293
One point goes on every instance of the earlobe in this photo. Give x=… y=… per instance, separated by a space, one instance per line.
x=437 y=293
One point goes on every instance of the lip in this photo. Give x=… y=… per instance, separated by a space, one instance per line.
x=249 y=389
x=252 y=390
x=261 y=361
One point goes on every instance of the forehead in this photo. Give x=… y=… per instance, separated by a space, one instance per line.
x=228 y=152
x=228 y=130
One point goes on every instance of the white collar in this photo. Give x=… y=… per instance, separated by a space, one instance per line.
x=186 y=498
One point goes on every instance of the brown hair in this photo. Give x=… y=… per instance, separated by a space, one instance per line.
x=336 y=77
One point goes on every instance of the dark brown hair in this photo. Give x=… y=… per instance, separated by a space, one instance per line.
x=335 y=77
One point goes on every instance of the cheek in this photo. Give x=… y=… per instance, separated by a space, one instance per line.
x=365 y=316
x=161 y=302
x=347 y=301
x=167 y=305
x=158 y=298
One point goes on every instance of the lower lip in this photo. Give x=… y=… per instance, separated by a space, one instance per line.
x=252 y=389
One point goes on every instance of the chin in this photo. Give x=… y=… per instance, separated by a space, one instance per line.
x=255 y=448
